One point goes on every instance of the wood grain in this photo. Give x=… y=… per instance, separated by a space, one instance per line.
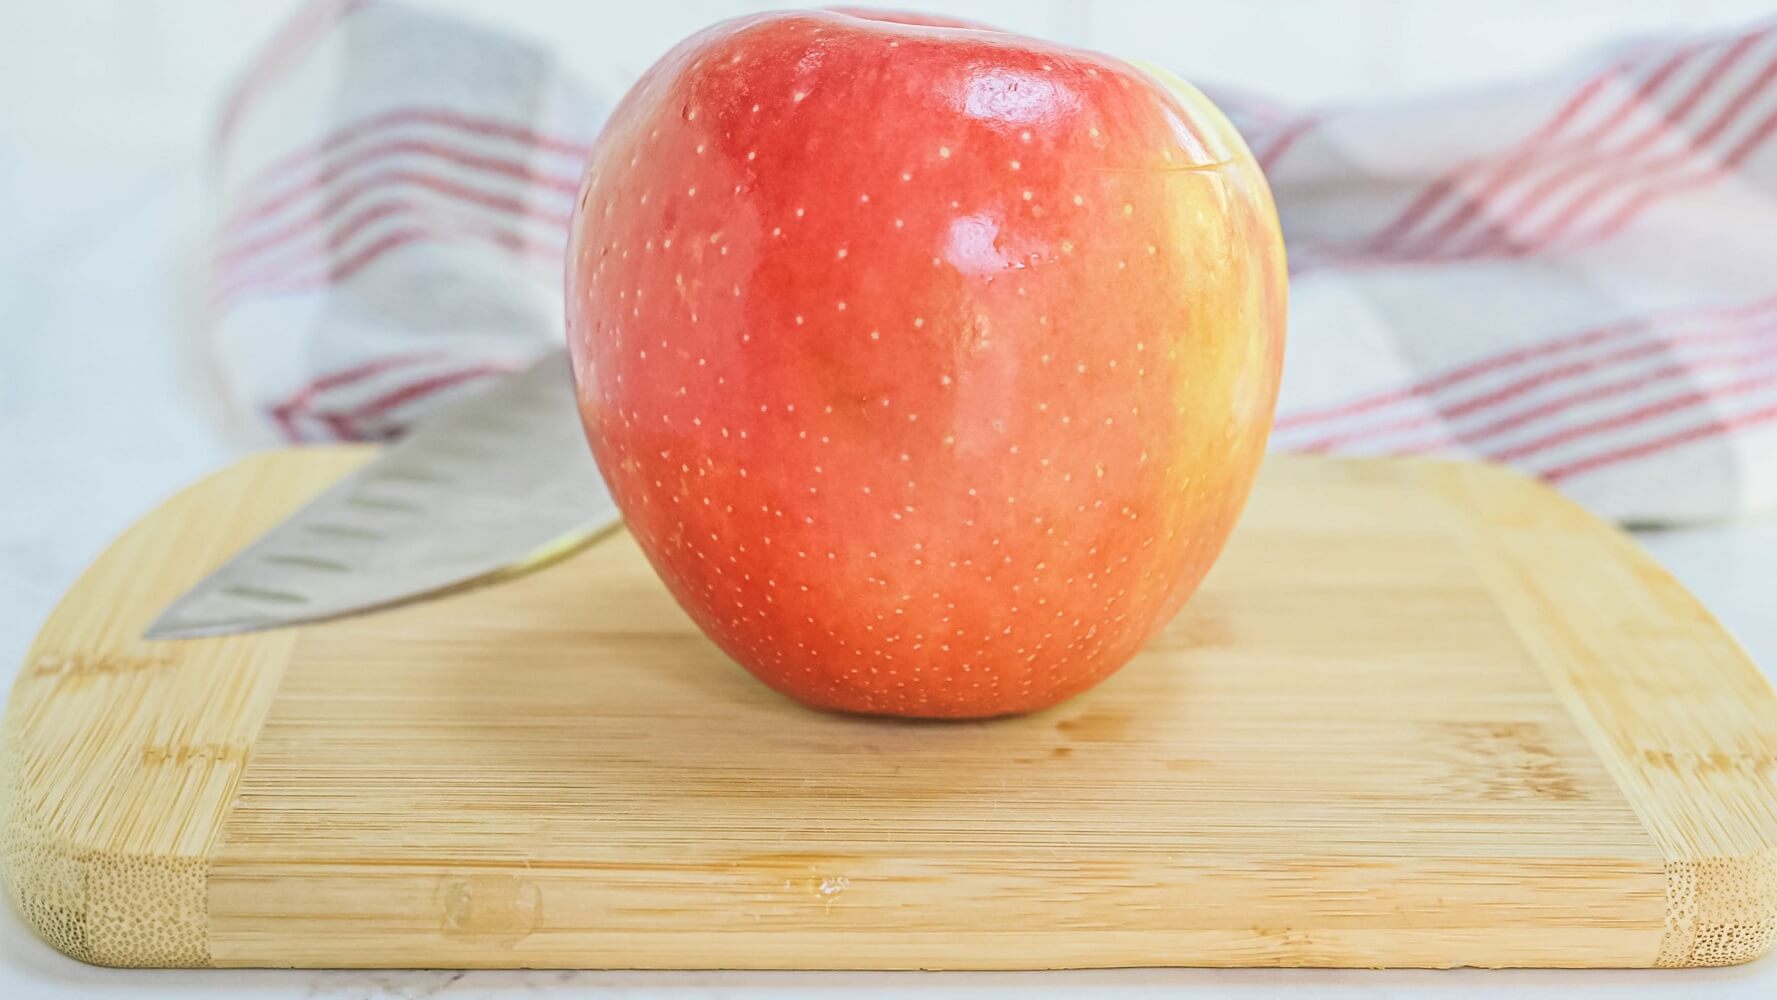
x=121 y=755
x=1421 y=714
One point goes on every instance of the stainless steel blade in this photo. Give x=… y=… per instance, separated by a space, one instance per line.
x=498 y=481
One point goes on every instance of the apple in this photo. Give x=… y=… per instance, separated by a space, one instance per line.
x=930 y=365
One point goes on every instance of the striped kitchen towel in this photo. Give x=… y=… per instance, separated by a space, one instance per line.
x=395 y=188
x=1571 y=275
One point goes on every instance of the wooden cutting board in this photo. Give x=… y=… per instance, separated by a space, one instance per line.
x=1421 y=714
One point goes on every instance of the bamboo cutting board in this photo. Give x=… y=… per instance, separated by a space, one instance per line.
x=1421 y=714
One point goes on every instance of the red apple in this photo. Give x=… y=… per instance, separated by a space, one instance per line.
x=931 y=366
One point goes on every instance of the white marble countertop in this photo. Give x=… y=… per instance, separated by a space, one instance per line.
x=101 y=416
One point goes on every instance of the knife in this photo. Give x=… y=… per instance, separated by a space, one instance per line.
x=496 y=484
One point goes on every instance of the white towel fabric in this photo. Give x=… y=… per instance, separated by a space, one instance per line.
x=395 y=188
x=1573 y=276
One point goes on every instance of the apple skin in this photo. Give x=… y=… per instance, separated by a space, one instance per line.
x=930 y=366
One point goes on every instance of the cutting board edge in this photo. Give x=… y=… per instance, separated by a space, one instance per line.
x=59 y=880
x=1707 y=808
x=85 y=896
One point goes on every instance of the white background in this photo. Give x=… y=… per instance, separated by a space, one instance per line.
x=102 y=125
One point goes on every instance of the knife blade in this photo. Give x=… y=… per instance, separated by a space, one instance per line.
x=495 y=484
